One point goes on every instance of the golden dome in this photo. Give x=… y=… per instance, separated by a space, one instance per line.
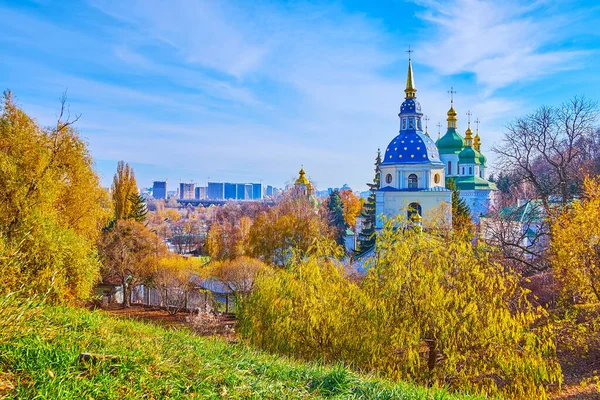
x=302 y=178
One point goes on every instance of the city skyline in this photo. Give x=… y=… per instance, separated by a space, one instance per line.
x=186 y=90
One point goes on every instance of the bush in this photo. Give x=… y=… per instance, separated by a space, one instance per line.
x=432 y=311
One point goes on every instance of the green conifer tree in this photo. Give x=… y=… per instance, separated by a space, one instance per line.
x=336 y=215
x=366 y=237
x=461 y=213
x=138 y=208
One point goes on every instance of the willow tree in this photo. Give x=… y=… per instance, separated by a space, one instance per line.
x=455 y=318
x=53 y=206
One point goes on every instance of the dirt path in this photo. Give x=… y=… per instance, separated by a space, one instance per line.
x=222 y=325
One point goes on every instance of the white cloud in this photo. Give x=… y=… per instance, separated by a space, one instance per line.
x=501 y=42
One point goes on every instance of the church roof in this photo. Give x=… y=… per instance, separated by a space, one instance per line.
x=469 y=156
x=450 y=143
x=302 y=180
x=472 y=183
x=411 y=147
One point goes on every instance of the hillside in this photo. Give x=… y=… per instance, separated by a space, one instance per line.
x=41 y=359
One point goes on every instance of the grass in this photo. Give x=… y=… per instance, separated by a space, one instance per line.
x=40 y=360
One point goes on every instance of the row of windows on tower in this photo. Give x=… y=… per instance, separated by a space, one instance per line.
x=463 y=170
x=411 y=122
x=413 y=180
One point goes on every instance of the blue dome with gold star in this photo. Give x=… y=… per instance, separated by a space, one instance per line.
x=411 y=148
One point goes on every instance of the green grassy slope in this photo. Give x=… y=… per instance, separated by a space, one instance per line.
x=41 y=361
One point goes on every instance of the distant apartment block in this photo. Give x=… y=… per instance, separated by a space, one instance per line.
x=257 y=191
x=159 y=190
x=269 y=191
x=234 y=191
x=230 y=191
x=200 y=193
x=186 y=191
x=215 y=191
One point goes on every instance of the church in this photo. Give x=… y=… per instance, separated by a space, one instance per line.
x=415 y=171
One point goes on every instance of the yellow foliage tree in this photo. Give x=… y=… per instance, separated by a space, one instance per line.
x=351 y=205
x=53 y=207
x=431 y=309
x=129 y=253
x=123 y=188
x=291 y=226
x=238 y=274
x=576 y=247
x=172 y=276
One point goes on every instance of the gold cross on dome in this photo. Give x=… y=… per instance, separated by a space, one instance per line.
x=477 y=123
x=469 y=113
x=409 y=51
x=452 y=93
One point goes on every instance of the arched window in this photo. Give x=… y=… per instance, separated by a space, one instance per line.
x=480 y=173
x=463 y=170
x=436 y=178
x=470 y=170
x=413 y=209
x=413 y=181
x=388 y=178
x=449 y=167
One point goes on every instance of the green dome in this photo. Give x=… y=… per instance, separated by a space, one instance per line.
x=450 y=143
x=482 y=159
x=469 y=156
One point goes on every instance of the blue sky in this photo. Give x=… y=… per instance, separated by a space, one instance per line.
x=252 y=90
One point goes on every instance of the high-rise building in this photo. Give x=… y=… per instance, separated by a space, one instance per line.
x=159 y=190
x=240 y=191
x=269 y=191
x=230 y=191
x=248 y=192
x=200 y=193
x=257 y=191
x=215 y=191
x=186 y=191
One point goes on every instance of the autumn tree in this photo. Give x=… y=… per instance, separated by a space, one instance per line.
x=366 y=238
x=53 y=207
x=351 y=206
x=432 y=309
x=292 y=225
x=238 y=274
x=129 y=253
x=546 y=156
x=172 y=276
x=123 y=190
x=576 y=247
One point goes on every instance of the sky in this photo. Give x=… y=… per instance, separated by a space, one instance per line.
x=250 y=91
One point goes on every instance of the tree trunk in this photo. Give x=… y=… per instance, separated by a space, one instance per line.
x=432 y=357
x=126 y=303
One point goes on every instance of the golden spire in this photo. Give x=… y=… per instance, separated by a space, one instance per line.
x=468 y=132
x=477 y=139
x=411 y=91
x=426 y=119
